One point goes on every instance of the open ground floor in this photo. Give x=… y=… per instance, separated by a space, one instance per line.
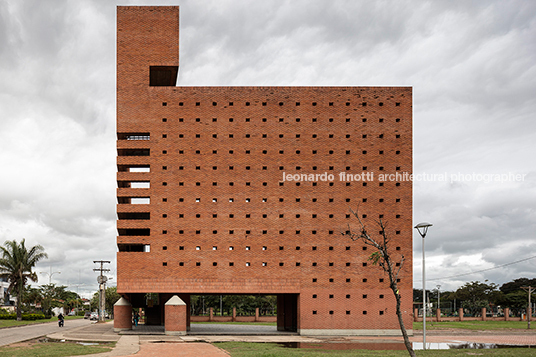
x=172 y=313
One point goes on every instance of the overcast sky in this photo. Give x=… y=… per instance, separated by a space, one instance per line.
x=472 y=66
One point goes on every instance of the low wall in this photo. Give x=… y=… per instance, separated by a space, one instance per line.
x=234 y=318
x=230 y=319
x=460 y=317
x=465 y=318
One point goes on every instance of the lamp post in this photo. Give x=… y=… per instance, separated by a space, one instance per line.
x=439 y=299
x=422 y=228
x=50 y=275
x=529 y=289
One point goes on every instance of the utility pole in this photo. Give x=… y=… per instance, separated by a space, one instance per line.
x=101 y=279
x=529 y=289
x=439 y=298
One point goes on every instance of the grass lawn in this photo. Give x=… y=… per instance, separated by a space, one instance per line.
x=9 y=323
x=52 y=349
x=474 y=325
x=247 y=349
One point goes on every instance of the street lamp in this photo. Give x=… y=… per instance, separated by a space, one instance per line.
x=422 y=228
x=50 y=275
x=439 y=299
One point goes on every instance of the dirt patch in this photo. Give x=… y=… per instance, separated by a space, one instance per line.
x=37 y=341
x=27 y=343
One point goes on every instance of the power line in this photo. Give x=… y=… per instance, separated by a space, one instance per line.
x=480 y=271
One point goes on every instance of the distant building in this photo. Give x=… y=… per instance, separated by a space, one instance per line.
x=5 y=298
x=245 y=190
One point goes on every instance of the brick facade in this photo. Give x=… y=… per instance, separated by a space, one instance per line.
x=203 y=203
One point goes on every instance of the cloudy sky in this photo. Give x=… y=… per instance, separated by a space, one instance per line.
x=472 y=66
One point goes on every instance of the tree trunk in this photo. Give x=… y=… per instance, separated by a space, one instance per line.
x=383 y=259
x=402 y=327
x=19 y=300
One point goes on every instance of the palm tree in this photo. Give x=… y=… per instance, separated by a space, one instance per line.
x=31 y=296
x=16 y=266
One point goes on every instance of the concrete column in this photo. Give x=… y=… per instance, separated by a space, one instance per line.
x=234 y=314
x=460 y=313
x=438 y=315
x=175 y=321
x=280 y=313
x=506 y=313
x=256 y=314
x=186 y=299
x=483 y=314
x=211 y=314
x=122 y=315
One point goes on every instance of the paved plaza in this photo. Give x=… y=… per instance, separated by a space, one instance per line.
x=145 y=341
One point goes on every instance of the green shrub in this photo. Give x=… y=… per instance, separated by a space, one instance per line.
x=33 y=316
x=8 y=316
x=28 y=317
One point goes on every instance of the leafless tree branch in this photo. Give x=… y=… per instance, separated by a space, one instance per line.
x=383 y=258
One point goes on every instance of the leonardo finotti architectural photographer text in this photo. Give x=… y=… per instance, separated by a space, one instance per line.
x=404 y=176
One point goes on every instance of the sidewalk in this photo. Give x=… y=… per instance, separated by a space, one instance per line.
x=139 y=345
x=144 y=345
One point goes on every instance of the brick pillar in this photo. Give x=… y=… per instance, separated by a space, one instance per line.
x=483 y=314
x=175 y=316
x=256 y=314
x=415 y=315
x=234 y=314
x=211 y=314
x=460 y=314
x=122 y=315
x=506 y=313
x=438 y=315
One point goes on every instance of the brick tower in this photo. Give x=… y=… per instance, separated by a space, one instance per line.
x=245 y=190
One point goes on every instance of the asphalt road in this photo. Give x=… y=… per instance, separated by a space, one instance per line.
x=22 y=333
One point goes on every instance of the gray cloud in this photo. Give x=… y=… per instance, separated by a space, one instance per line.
x=471 y=65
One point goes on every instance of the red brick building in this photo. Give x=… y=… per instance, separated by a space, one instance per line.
x=208 y=201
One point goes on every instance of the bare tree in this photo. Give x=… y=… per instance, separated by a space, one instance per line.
x=382 y=258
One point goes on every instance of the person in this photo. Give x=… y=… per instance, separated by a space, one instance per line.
x=136 y=318
x=60 y=320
